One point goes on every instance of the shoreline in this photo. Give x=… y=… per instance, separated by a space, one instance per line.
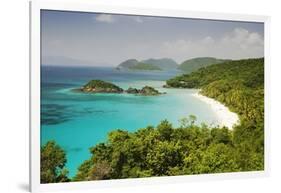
x=225 y=116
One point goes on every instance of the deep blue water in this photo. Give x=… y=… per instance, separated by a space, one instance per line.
x=78 y=121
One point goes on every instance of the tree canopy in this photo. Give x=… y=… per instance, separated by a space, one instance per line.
x=53 y=160
x=163 y=151
x=240 y=86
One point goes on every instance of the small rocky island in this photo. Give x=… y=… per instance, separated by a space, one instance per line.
x=100 y=86
x=146 y=91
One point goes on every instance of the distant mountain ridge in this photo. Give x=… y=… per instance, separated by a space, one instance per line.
x=163 y=63
x=149 y=64
x=145 y=66
x=194 y=64
x=187 y=66
x=128 y=63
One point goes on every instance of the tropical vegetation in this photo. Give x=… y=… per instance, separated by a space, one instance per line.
x=240 y=86
x=194 y=64
x=52 y=164
x=166 y=150
x=101 y=86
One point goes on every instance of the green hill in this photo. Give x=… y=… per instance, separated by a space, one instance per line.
x=128 y=63
x=149 y=64
x=240 y=86
x=163 y=63
x=194 y=64
x=133 y=64
x=144 y=66
x=96 y=86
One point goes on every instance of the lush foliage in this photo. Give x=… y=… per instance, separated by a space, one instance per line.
x=53 y=160
x=189 y=149
x=164 y=151
x=194 y=64
x=239 y=85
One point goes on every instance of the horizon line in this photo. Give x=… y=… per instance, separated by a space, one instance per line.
x=90 y=65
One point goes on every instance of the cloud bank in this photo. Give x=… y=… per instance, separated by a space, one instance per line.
x=240 y=43
x=112 y=38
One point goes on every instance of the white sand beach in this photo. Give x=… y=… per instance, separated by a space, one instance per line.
x=225 y=116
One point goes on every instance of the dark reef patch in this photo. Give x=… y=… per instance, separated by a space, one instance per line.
x=53 y=114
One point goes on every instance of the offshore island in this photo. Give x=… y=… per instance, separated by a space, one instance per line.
x=100 y=86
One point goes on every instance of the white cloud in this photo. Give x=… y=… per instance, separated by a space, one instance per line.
x=106 y=18
x=237 y=44
x=243 y=38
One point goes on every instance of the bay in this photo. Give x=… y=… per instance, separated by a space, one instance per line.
x=78 y=121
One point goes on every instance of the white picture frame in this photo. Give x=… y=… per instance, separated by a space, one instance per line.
x=36 y=6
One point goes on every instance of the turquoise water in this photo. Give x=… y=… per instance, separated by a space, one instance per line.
x=78 y=121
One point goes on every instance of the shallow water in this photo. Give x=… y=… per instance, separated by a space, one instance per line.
x=78 y=121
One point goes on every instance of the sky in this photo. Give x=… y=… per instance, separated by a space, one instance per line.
x=98 y=39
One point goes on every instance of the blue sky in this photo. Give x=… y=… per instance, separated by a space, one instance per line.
x=106 y=39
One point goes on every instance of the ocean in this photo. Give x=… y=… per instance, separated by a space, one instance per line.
x=79 y=121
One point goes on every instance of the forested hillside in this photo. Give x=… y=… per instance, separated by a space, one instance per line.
x=194 y=64
x=240 y=86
